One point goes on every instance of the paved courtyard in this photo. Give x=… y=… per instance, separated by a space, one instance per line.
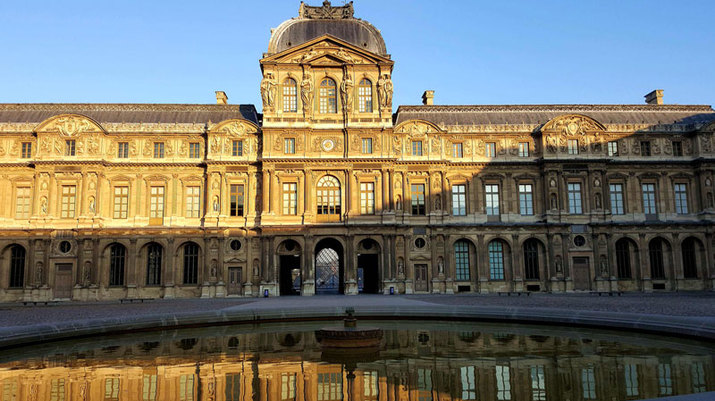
x=670 y=304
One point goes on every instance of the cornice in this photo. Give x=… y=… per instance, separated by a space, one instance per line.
x=64 y=107
x=554 y=107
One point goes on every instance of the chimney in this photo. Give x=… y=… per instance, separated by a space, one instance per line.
x=221 y=97
x=428 y=98
x=655 y=97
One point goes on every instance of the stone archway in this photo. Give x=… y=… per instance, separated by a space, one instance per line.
x=289 y=252
x=329 y=267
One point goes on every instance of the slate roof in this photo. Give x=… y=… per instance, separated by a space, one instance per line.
x=297 y=31
x=541 y=114
x=128 y=113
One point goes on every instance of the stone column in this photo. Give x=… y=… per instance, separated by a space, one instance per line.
x=265 y=186
x=517 y=264
x=274 y=193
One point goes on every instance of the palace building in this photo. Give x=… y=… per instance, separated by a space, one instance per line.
x=330 y=190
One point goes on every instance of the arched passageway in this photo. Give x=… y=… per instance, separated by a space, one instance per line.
x=368 y=267
x=329 y=267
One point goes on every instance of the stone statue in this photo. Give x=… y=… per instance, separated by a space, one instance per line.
x=43 y=206
x=268 y=91
x=346 y=91
x=604 y=266
x=554 y=203
x=398 y=202
x=214 y=268
x=400 y=267
x=256 y=268
x=559 y=266
x=438 y=203
x=87 y=272
x=440 y=266
x=215 y=204
x=384 y=87
x=598 y=201
x=710 y=200
x=306 y=93
x=91 y=205
x=38 y=274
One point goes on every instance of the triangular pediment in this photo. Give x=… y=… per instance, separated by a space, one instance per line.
x=326 y=50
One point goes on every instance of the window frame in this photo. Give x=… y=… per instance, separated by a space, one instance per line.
x=159 y=150
x=523 y=149
x=68 y=201
x=645 y=148
x=194 y=150
x=122 y=150
x=328 y=96
x=192 y=201
x=492 y=199
x=290 y=198
x=650 y=202
x=497 y=260
x=157 y=210
x=290 y=95
x=70 y=147
x=612 y=148
x=526 y=198
x=417 y=148
x=575 y=197
x=367 y=197
x=237 y=200
x=620 y=197
x=459 y=199
x=365 y=96
x=366 y=146
x=490 y=149
x=572 y=147
x=417 y=198
x=458 y=150
x=26 y=150
x=680 y=197
x=120 y=209
x=289 y=146
x=23 y=201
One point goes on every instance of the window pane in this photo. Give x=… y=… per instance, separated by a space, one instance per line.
x=193 y=198
x=22 y=203
x=492 y=199
x=69 y=200
x=418 y=199
x=526 y=200
x=236 y=200
x=367 y=198
x=496 y=260
x=121 y=202
x=616 y=193
x=574 y=189
x=461 y=260
x=328 y=99
x=681 y=199
x=648 y=198
x=290 y=198
x=290 y=96
x=365 y=96
x=459 y=200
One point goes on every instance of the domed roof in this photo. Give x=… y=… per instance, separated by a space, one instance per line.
x=314 y=22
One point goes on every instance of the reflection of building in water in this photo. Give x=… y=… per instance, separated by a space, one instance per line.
x=415 y=366
x=109 y=201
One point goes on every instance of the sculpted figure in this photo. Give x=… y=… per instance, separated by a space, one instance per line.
x=384 y=88
x=598 y=201
x=268 y=91
x=604 y=266
x=440 y=266
x=38 y=274
x=43 y=206
x=346 y=91
x=559 y=267
x=306 y=93
x=91 y=205
x=215 y=204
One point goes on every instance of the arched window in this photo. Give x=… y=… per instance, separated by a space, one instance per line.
x=531 y=259
x=655 y=251
x=496 y=260
x=153 y=264
x=191 y=263
x=117 y=256
x=328 y=196
x=690 y=263
x=623 y=258
x=365 y=96
x=290 y=96
x=461 y=260
x=328 y=96
x=17 y=266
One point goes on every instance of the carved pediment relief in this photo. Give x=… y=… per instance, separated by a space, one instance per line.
x=573 y=125
x=416 y=128
x=69 y=125
x=332 y=46
x=235 y=127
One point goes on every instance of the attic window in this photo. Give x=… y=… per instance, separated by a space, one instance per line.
x=289 y=43
x=364 y=44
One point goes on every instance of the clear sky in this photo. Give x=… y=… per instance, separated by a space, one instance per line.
x=469 y=52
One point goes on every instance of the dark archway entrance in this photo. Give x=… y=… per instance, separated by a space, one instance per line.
x=289 y=261
x=329 y=267
x=368 y=267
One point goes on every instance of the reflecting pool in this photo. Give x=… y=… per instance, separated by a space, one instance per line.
x=415 y=361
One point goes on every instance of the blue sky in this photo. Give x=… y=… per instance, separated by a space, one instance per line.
x=469 y=52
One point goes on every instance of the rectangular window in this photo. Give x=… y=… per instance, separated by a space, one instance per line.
x=697 y=377
x=57 y=390
x=156 y=205
x=574 y=189
x=70 y=147
x=572 y=146
x=366 y=146
x=461 y=260
x=158 y=150
x=367 y=198
x=330 y=386
x=123 y=150
x=588 y=382
x=237 y=148
x=289 y=146
x=416 y=148
x=459 y=200
x=469 y=383
x=121 y=202
x=677 y=148
x=111 y=389
x=490 y=149
x=186 y=388
x=233 y=387
x=26 y=150
x=458 y=150
x=287 y=386
x=645 y=148
x=22 y=203
x=236 y=200
x=290 y=198
x=496 y=260
x=526 y=200
x=631 y=373
x=365 y=96
x=194 y=150
x=418 y=199
x=149 y=388
x=665 y=382
x=193 y=201
x=69 y=200
x=681 y=198
x=616 y=193
x=424 y=384
x=503 y=382
x=649 y=198
x=613 y=148
x=371 y=391
x=523 y=149
x=538 y=383
x=491 y=192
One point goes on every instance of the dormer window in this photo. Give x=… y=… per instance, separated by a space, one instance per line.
x=328 y=97
x=365 y=96
x=290 y=96
x=70 y=147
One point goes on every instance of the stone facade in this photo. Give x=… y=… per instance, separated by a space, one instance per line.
x=329 y=191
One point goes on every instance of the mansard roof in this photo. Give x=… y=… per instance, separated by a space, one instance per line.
x=128 y=113
x=697 y=115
